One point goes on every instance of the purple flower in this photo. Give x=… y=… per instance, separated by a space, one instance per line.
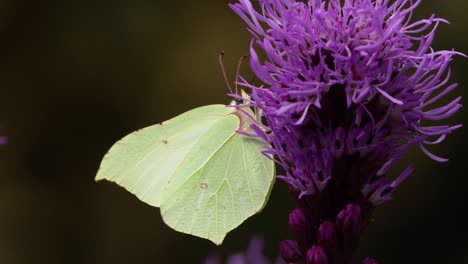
x=3 y=140
x=348 y=87
x=253 y=255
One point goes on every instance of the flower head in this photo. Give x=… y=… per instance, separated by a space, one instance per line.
x=344 y=79
x=348 y=86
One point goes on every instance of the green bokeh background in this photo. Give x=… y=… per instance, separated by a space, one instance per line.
x=77 y=75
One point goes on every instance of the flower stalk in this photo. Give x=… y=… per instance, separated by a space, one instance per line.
x=348 y=87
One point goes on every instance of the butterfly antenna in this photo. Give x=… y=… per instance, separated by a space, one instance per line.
x=239 y=64
x=221 y=63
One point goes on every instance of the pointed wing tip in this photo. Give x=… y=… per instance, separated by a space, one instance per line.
x=217 y=243
x=139 y=197
x=98 y=179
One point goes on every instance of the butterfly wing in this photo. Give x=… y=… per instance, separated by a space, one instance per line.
x=206 y=178
x=231 y=186
x=143 y=161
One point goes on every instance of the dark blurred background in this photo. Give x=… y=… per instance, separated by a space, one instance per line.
x=77 y=75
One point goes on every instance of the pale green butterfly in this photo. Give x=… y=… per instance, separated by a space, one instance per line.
x=206 y=178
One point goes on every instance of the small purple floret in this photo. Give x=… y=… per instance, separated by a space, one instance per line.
x=327 y=238
x=349 y=220
x=316 y=255
x=254 y=254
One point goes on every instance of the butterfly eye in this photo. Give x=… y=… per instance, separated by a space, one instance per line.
x=236 y=102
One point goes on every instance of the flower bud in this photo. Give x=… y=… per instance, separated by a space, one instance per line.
x=349 y=220
x=327 y=236
x=297 y=222
x=316 y=255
